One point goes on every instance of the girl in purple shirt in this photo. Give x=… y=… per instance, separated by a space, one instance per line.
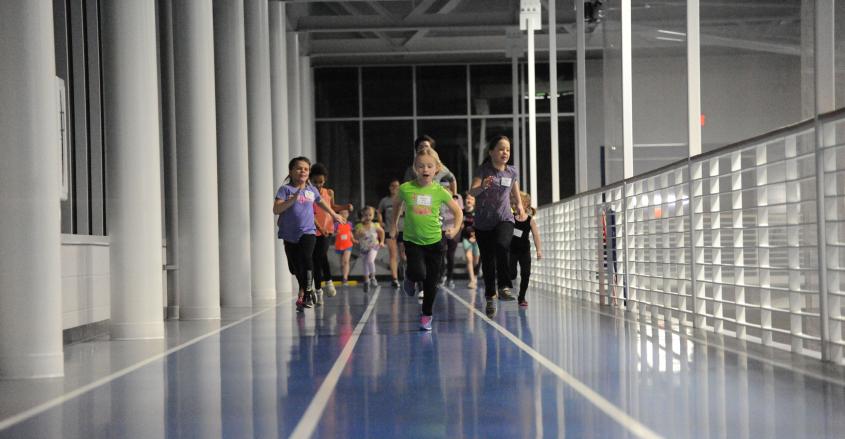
x=295 y=206
x=493 y=185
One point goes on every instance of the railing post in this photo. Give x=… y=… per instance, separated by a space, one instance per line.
x=822 y=240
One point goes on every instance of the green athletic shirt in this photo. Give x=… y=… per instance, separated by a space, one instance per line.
x=422 y=211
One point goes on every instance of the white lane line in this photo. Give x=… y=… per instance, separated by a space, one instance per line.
x=41 y=408
x=614 y=412
x=308 y=423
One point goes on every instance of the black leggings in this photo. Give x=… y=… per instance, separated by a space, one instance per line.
x=424 y=266
x=301 y=260
x=523 y=258
x=322 y=272
x=449 y=247
x=495 y=251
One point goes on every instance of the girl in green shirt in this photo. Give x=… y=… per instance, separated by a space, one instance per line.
x=422 y=198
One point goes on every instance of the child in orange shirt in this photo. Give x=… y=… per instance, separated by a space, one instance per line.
x=344 y=239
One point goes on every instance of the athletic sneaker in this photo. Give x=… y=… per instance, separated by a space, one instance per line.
x=421 y=294
x=373 y=281
x=300 y=304
x=425 y=323
x=490 y=309
x=395 y=284
x=505 y=295
x=366 y=286
x=451 y=283
x=318 y=298
x=330 y=289
x=522 y=302
x=309 y=299
x=409 y=287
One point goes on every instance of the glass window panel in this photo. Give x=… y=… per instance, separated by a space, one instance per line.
x=336 y=92
x=659 y=75
x=388 y=152
x=441 y=90
x=491 y=89
x=387 y=91
x=451 y=138
x=337 y=148
x=565 y=87
x=566 y=160
x=751 y=68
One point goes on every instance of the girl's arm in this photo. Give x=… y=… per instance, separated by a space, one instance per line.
x=331 y=212
x=459 y=218
x=281 y=205
x=380 y=233
x=398 y=204
x=535 y=231
x=515 y=195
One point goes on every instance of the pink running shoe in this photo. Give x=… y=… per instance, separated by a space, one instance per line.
x=425 y=323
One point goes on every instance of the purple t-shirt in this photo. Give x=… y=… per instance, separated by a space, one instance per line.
x=493 y=205
x=298 y=219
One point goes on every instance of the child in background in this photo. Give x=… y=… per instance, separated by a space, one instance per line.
x=294 y=204
x=449 y=244
x=424 y=197
x=325 y=227
x=370 y=238
x=343 y=241
x=469 y=242
x=521 y=248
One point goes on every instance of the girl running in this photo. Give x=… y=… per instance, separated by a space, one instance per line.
x=385 y=217
x=468 y=241
x=343 y=241
x=494 y=184
x=370 y=238
x=521 y=248
x=325 y=228
x=295 y=206
x=423 y=197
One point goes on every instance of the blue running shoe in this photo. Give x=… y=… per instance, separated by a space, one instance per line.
x=425 y=323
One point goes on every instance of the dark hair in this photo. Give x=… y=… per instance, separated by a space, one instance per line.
x=319 y=169
x=492 y=144
x=293 y=163
x=424 y=138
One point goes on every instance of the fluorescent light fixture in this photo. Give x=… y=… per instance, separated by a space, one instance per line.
x=671 y=32
x=669 y=39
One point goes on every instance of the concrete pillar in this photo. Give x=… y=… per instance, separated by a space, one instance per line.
x=133 y=206
x=232 y=153
x=261 y=186
x=553 y=103
x=30 y=242
x=293 y=94
x=196 y=136
x=281 y=139
x=304 y=107
x=580 y=100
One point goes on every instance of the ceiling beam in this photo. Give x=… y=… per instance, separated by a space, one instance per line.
x=447 y=8
x=371 y=23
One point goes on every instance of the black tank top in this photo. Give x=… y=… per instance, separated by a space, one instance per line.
x=521 y=229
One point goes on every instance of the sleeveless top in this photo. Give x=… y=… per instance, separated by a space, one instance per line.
x=521 y=229
x=343 y=237
x=322 y=217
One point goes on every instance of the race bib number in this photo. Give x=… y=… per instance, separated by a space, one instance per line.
x=517 y=233
x=309 y=196
x=343 y=237
x=506 y=181
x=423 y=200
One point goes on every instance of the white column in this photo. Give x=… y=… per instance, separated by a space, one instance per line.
x=133 y=210
x=293 y=95
x=196 y=136
x=306 y=116
x=693 y=78
x=232 y=153
x=627 y=107
x=532 y=115
x=30 y=242
x=553 y=103
x=261 y=186
x=515 y=143
x=281 y=139
x=580 y=99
